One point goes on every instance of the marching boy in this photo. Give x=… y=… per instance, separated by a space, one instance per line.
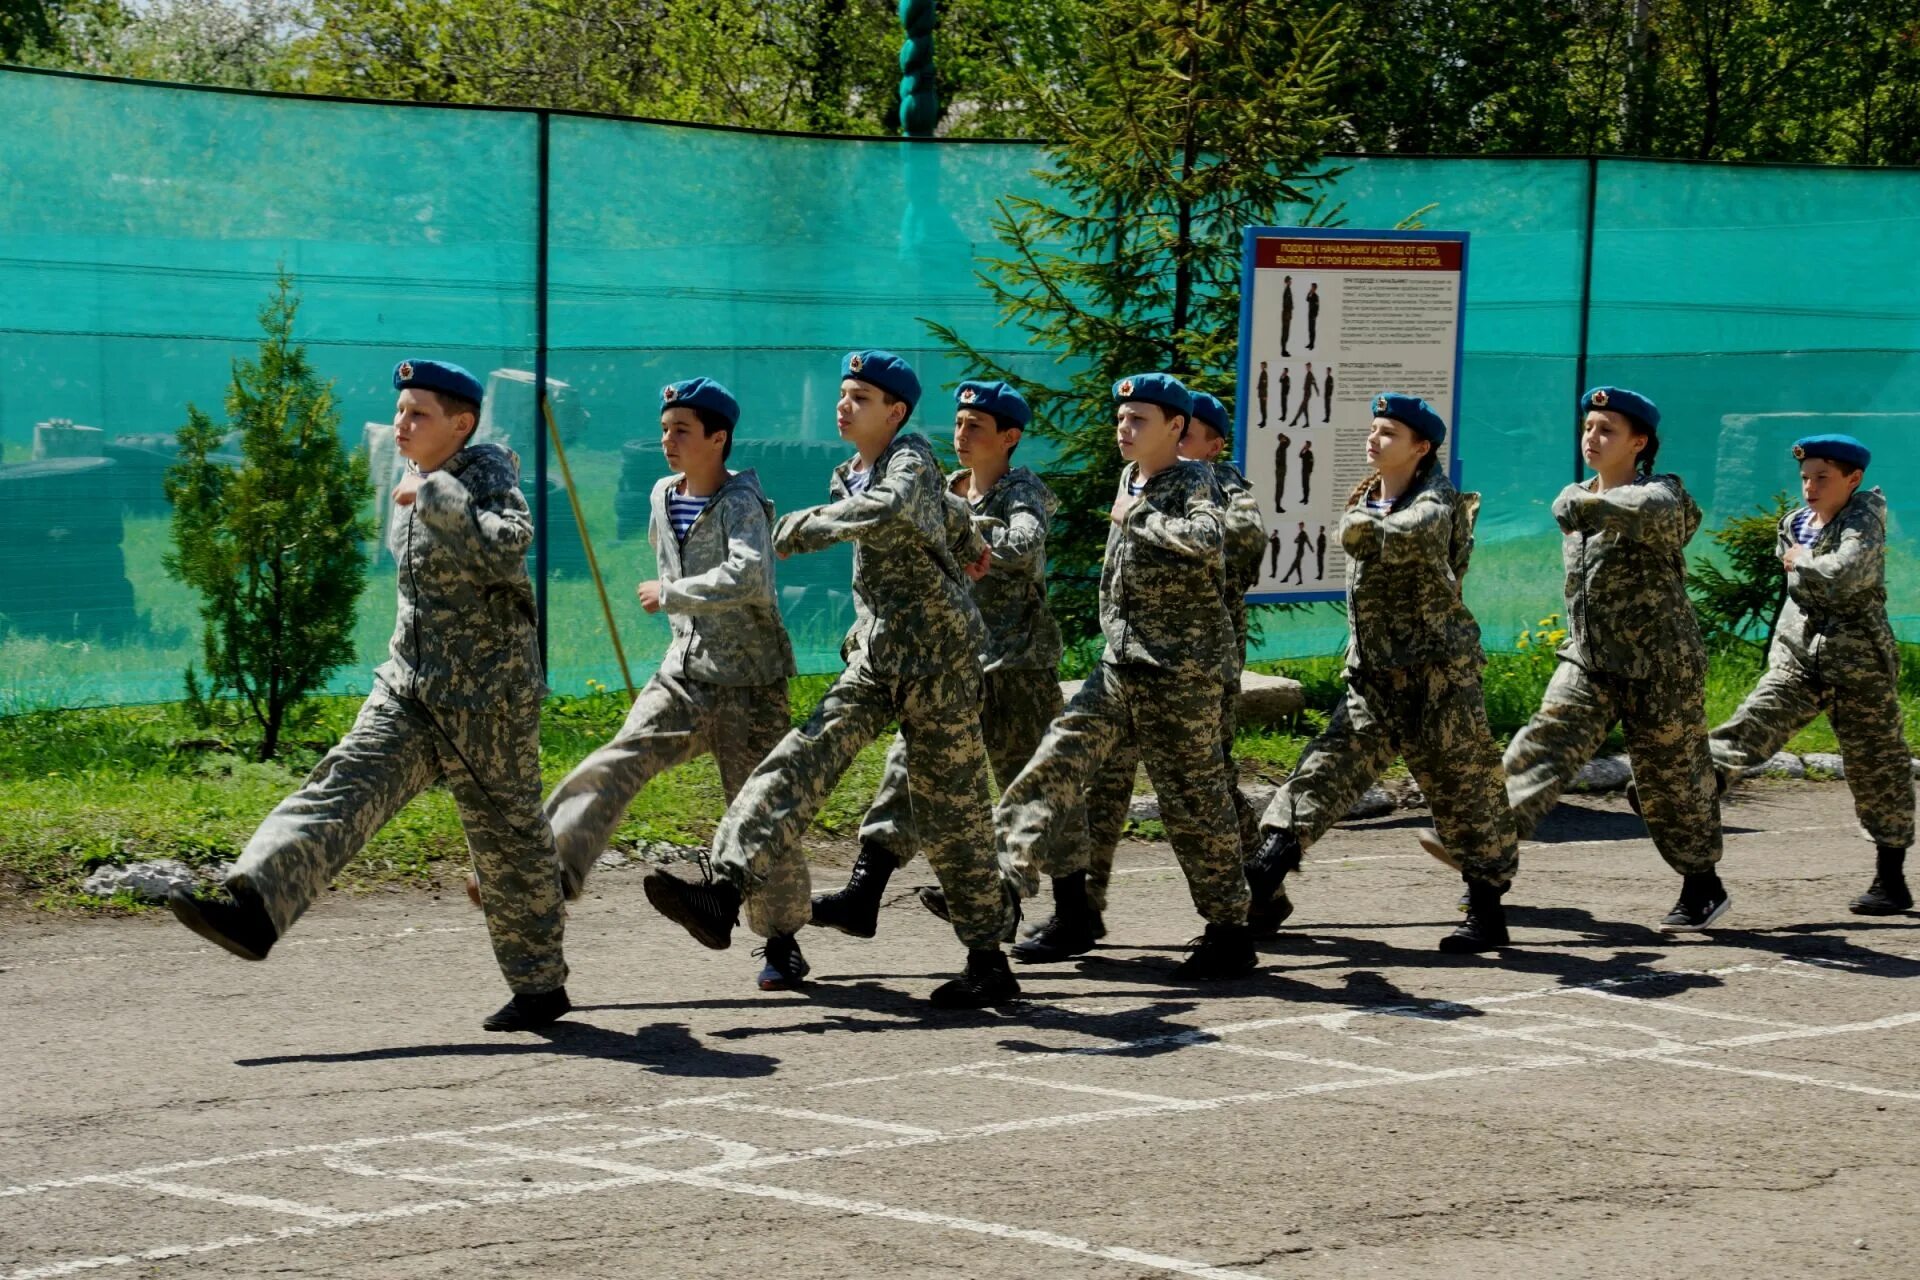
x=913 y=656
x=457 y=699
x=1833 y=651
x=721 y=689
x=1155 y=695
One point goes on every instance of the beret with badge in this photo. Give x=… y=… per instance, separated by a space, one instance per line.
x=1413 y=411
x=1620 y=400
x=996 y=398
x=884 y=370
x=701 y=393
x=438 y=375
x=1162 y=389
x=1210 y=412
x=1845 y=450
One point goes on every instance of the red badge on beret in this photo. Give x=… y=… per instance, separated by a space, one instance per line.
x=968 y=395
x=406 y=370
x=855 y=363
x=1126 y=387
x=670 y=392
x=1600 y=398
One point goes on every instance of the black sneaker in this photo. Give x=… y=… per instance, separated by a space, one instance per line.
x=854 y=908
x=1267 y=870
x=1264 y=919
x=987 y=981
x=1223 y=951
x=1485 y=927
x=1703 y=900
x=1073 y=930
x=232 y=918
x=530 y=1011
x=707 y=911
x=934 y=899
x=1888 y=895
x=785 y=967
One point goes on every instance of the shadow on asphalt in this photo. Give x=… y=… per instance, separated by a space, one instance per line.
x=666 y=1048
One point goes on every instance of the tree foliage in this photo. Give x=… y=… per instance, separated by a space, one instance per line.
x=1196 y=118
x=1739 y=603
x=273 y=546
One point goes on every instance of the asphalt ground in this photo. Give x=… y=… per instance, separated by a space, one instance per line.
x=1599 y=1100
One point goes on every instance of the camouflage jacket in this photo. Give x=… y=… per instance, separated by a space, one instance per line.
x=1162 y=585
x=1013 y=517
x=1625 y=552
x=1835 y=617
x=716 y=588
x=1245 y=541
x=1404 y=571
x=913 y=605
x=465 y=635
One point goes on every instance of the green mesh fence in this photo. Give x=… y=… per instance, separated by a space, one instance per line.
x=143 y=225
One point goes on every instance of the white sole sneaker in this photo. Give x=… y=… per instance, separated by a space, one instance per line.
x=1720 y=909
x=1437 y=850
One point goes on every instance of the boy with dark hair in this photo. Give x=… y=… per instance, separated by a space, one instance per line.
x=722 y=687
x=1155 y=695
x=457 y=700
x=913 y=656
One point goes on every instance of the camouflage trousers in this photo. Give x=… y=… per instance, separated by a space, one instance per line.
x=1100 y=853
x=757 y=846
x=1123 y=715
x=1864 y=709
x=396 y=749
x=1664 y=718
x=674 y=720
x=1015 y=711
x=1432 y=715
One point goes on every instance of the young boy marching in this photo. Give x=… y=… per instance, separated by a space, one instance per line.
x=913 y=655
x=722 y=687
x=1154 y=697
x=457 y=700
x=1833 y=650
x=1011 y=507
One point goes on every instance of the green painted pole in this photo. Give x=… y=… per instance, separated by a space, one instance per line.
x=919 y=100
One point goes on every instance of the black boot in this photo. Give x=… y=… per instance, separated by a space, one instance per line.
x=1072 y=931
x=1703 y=900
x=987 y=981
x=530 y=1011
x=1888 y=895
x=785 y=967
x=854 y=908
x=233 y=918
x=1223 y=951
x=1486 y=924
x=1269 y=906
x=707 y=911
x=934 y=899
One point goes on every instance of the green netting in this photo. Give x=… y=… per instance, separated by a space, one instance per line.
x=143 y=226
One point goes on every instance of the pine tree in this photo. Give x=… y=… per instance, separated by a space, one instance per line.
x=273 y=546
x=1739 y=604
x=1195 y=119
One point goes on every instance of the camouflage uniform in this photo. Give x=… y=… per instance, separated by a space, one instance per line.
x=1154 y=696
x=722 y=687
x=459 y=700
x=1021 y=689
x=1244 y=542
x=913 y=655
x=1413 y=684
x=1632 y=654
x=1834 y=651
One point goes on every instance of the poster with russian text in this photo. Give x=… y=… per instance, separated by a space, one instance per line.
x=1329 y=319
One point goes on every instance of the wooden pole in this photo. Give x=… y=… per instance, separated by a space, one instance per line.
x=580 y=521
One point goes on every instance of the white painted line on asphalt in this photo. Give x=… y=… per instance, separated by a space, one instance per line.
x=827 y=1117
x=1670 y=1007
x=236 y=1199
x=1064 y=1086
x=1287 y=1055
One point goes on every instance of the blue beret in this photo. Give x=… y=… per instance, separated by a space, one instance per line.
x=1844 y=450
x=1621 y=400
x=996 y=398
x=1209 y=410
x=437 y=375
x=884 y=370
x=701 y=393
x=1413 y=411
x=1162 y=389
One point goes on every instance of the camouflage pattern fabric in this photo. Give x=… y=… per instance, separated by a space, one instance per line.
x=913 y=655
x=464 y=635
x=674 y=720
x=1834 y=651
x=1403 y=577
x=1163 y=585
x=1625 y=554
x=1244 y=543
x=717 y=588
x=1013 y=518
x=1434 y=716
x=396 y=749
x=1167 y=717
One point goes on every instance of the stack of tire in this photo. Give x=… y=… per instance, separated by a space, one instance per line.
x=60 y=536
x=138 y=480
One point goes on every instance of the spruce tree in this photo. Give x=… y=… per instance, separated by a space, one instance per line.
x=275 y=545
